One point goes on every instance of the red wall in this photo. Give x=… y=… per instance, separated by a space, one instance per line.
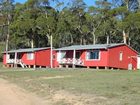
x=23 y=58
x=113 y=57
x=92 y=63
x=101 y=62
x=43 y=58
x=4 y=59
x=26 y=61
x=109 y=58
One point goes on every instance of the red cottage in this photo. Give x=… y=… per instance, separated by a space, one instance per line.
x=30 y=57
x=108 y=56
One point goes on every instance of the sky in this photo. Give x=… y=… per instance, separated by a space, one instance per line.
x=88 y=2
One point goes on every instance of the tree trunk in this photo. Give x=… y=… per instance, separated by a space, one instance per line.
x=94 y=38
x=124 y=37
x=8 y=33
x=71 y=39
x=107 y=41
x=139 y=3
x=84 y=41
x=129 y=39
x=81 y=41
x=32 y=43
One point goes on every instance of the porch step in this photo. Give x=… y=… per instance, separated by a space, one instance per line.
x=23 y=65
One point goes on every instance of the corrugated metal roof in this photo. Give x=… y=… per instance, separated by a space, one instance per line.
x=96 y=46
x=27 y=50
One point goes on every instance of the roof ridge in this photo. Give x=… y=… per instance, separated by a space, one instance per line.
x=90 y=46
x=27 y=50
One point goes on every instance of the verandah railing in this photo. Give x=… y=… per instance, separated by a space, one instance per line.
x=13 y=61
x=71 y=61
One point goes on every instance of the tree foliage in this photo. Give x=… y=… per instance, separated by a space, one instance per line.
x=71 y=22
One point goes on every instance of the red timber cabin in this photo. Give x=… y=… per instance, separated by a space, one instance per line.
x=107 y=56
x=31 y=57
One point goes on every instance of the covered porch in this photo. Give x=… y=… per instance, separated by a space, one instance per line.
x=71 y=58
x=14 y=58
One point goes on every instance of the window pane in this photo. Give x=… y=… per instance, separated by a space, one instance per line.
x=12 y=56
x=30 y=56
x=88 y=55
x=121 y=56
x=93 y=54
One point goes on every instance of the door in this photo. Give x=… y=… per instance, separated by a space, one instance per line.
x=130 y=67
x=78 y=54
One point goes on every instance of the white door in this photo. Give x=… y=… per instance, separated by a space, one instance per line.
x=138 y=62
x=130 y=67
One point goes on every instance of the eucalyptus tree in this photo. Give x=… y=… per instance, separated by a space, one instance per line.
x=6 y=12
x=33 y=23
x=78 y=22
x=72 y=27
x=79 y=26
x=3 y=29
x=131 y=5
x=132 y=22
x=94 y=20
x=124 y=8
x=23 y=26
x=138 y=4
x=46 y=23
x=63 y=36
x=104 y=22
x=26 y=22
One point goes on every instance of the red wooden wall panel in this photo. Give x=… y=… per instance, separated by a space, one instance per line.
x=42 y=58
x=114 y=55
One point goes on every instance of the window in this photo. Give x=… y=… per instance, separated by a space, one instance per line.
x=95 y=55
x=12 y=56
x=121 y=56
x=30 y=56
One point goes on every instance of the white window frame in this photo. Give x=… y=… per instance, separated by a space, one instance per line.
x=93 y=59
x=30 y=56
x=121 y=56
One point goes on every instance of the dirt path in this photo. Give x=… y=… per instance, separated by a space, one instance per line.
x=11 y=94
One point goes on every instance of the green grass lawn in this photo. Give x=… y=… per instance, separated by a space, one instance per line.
x=123 y=87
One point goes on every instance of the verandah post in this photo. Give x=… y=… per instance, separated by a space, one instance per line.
x=51 y=53
x=59 y=58
x=15 y=60
x=74 y=56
